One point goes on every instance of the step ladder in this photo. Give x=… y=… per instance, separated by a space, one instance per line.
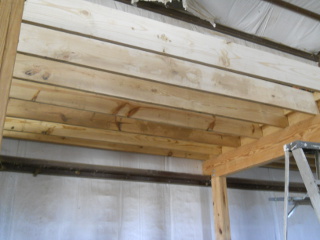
x=298 y=149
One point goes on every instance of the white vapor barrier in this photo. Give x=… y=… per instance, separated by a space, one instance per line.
x=52 y=207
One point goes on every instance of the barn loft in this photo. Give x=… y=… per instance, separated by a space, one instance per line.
x=155 y=108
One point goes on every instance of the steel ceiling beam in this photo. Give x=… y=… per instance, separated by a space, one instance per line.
x=295 y=8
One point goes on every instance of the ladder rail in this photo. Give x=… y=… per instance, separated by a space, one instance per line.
x=308 y=179
x=297 y=149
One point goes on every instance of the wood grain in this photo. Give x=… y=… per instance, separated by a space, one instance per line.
x=10 y=22
x=42 y=93
x=117 y=26
x=64 y=130
x=45 y=112
x=102 y=145
x=220 y=208
x=80 y=78
x=264 y=150
x=5 y=11
x=162 y=69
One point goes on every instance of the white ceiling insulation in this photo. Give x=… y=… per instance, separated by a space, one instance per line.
x=264 y=19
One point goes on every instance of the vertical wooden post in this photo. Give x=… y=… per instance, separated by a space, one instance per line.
x=220 y=208
x=10 y=23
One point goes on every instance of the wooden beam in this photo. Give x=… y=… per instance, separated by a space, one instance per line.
x=44 y=112
x=102 y=145
x=159 y=68
x=220 y=208
x=65 y=75
x=264 y=150
x=63 y=130
x=129 y=29
x=5 y=11
x=10 y=19
x=121 y=107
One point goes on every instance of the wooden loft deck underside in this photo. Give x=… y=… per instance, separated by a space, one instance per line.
x=91 y=76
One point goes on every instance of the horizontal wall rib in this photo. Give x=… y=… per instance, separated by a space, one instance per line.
x=36 y=166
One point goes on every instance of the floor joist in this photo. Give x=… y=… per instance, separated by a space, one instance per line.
x=44 y=112
x=81 y=100
x=64 y=130
x=80 y=142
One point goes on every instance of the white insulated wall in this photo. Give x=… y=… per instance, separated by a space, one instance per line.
x=50 y=207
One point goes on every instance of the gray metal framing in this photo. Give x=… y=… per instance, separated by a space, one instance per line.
x=297 y=148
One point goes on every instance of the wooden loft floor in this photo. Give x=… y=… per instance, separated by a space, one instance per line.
x=91 y=76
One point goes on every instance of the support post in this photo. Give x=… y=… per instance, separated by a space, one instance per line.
x=10 y=22
x=220 y=208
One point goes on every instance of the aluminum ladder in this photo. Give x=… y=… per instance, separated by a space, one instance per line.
x=298 y=149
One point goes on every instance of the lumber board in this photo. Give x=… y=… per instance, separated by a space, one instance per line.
x=45 y=112
x=264 y=150
x=133 y=62
x=64 y=130
x=295 y=117
x=42 y=93
x=316 y=96
x=158 y=68
x=5 y=10
x=116 y=26
x=102 y=145
x=66 y=75
x=220 y=208
x=10 y=22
